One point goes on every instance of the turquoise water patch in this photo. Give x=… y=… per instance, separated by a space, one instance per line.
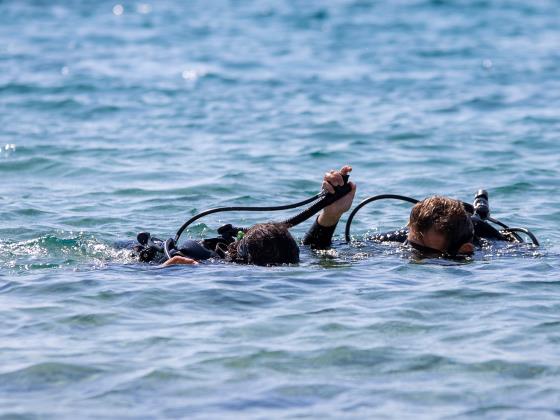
x=117 y=118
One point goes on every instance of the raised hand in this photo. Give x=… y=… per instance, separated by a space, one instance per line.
x=331 y=214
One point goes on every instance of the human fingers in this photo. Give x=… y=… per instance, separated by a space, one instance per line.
x=349 y=197
x=334 y=178
x=353 y=190
x=346 y=169
x=328 y=187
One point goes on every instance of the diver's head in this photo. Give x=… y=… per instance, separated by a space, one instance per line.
x=441 y=224
x=265 y=244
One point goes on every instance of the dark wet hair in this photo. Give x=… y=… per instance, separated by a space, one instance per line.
x=446 y=216
x=265 y=244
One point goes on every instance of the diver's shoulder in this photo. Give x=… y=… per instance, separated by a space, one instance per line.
x=399 y=235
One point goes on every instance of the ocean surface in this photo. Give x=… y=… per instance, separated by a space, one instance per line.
x=121 y=117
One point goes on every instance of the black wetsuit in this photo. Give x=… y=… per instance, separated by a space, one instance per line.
x=320 y=237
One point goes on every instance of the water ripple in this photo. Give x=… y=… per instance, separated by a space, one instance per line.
x=119 y=117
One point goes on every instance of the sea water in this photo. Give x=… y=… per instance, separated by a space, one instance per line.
x=119 y=117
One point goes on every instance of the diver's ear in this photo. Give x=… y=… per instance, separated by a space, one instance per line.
x=467 y=248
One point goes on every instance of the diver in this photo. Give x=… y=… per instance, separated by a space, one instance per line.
x=437 y=226
x=262 y=244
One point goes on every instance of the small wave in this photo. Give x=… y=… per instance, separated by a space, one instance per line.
x=49 y=251
x=45 y=375
x=31 y=164
x=511 y=250
x=517 y=187
x=22 y=89
x=50 y=105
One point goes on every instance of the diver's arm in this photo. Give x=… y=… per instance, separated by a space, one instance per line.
x=320 y=234
x=399 y=235
x=177 y=260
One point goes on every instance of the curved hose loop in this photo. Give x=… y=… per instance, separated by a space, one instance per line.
x=369 y=200
x=506 y=227
x=166 y=246
x=525 y=231
x=244 y=208
x=496 y=221
x=324 y=199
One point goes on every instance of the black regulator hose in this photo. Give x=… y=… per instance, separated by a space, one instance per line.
x=243 y=208
x=527 y=232
x=369 y=200
x=324 y=199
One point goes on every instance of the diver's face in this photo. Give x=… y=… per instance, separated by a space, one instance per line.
x=436 y=241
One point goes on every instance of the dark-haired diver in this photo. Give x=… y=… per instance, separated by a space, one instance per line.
x=262 y=244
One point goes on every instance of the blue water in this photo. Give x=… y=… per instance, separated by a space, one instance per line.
x=117 y=118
